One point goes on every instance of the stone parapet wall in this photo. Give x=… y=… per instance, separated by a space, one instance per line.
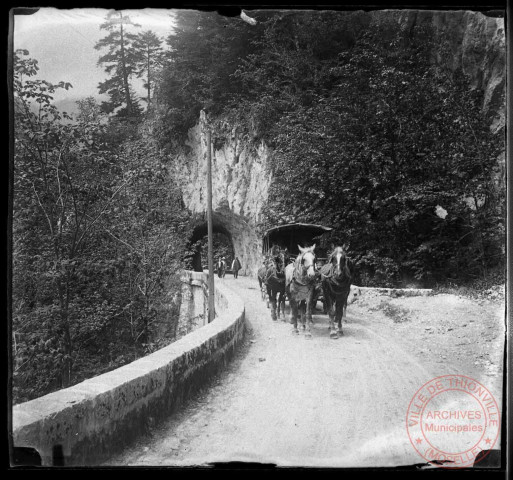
x=92 y=420
x=397 y=292
x=193 y=305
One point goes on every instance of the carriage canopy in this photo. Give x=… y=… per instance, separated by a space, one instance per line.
x=290 y=235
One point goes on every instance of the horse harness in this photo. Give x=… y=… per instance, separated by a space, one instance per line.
x=333 y=281
x=272 y=270
x=300 y=273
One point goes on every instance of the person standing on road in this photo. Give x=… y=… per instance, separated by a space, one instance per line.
x=223 y=267
x=236 y=266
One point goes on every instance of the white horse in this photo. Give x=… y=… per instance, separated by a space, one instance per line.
x=300 y=281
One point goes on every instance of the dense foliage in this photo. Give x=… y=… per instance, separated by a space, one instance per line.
x=204 y=53
x=370 y=135
x=98 y=238
x=375 y=155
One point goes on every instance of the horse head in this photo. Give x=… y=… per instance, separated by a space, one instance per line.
x=278 y=261
x=307 y=260
x=340 y=262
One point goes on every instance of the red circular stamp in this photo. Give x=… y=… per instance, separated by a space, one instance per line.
x=451 y=419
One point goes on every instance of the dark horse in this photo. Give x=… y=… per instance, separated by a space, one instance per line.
x=300 y=283
x=274 y=280
x=336 y=284
x=261 y=279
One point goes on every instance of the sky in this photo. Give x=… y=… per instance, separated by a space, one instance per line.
x=63 y=41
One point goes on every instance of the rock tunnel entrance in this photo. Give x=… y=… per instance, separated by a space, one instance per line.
x=222 y=244
x=233 y=237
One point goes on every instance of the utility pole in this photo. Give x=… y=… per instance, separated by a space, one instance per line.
x=211 y=308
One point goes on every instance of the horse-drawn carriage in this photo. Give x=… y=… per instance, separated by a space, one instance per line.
x=285 y=241
x=291 y=235
x=297 y=268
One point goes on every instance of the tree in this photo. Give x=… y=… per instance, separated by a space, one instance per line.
x=89 y=111
x=152 y=229
x=148 y=53
x=289 y=65
x=57 y=205
x=120 y=63
x=99 y=232
x=205 y=49
x=375 y=155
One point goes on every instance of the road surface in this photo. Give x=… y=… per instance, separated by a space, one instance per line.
x=292 y=401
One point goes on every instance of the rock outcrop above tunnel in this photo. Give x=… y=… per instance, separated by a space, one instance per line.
x=241 y=176
x=240 y=181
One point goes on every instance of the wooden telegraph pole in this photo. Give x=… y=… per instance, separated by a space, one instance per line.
x=211 y=308
x=211 y=311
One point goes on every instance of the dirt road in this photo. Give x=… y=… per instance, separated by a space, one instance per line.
x=293 y=401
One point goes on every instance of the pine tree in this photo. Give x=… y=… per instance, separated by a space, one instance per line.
x=148 y=53
x=119 y=63
x=205 y=50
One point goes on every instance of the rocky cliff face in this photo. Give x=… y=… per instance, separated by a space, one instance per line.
x=240 y=176
x=475 y=42
x=240 y=181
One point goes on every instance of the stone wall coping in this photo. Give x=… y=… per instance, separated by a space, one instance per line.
x=43 y=410
x=26 y=412
x=189 y=276
x=398 y=291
